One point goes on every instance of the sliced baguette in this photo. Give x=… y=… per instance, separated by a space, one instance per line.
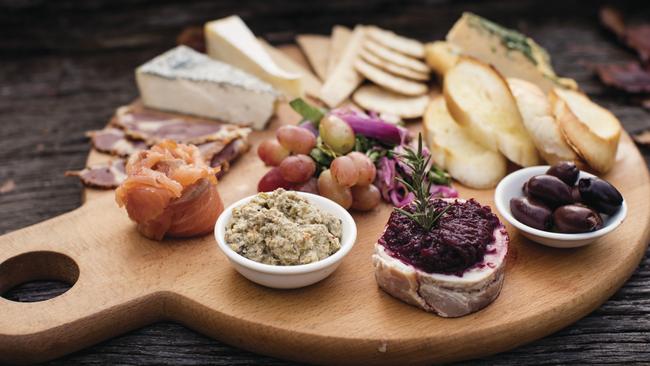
x=441 y=56
x=591 y=130
x=480 y=100
x=454 y=150
x=540 y=123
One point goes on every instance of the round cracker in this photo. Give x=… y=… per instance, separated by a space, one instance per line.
x=395 y=57
x=374 y=98
x=403 y=45
x=389 y=81
x=392 y=68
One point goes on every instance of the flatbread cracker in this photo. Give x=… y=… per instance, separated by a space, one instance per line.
x=310 y=82
x=374 y=98
x=395 y=57
x=338 y=42
x=392 y=68
x=389 y=81
x=317 y=50
x=345 y=79
x=403 y=45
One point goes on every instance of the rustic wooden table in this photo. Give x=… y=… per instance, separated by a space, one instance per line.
x=66 y=65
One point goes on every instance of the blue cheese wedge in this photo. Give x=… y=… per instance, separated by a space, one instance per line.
x=510 y=52
x=185 y=81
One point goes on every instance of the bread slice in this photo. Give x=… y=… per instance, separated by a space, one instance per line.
x=480 y=100
x=540 y=123
x=441 y=56
x=590 y=129
x=454 y=150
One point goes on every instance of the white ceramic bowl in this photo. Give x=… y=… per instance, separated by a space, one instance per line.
x=510 y=187
x=286 y=277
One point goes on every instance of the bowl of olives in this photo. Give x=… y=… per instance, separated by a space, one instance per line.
x=559 y=205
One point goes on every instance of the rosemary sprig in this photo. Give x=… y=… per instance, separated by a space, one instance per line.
x=425 y=214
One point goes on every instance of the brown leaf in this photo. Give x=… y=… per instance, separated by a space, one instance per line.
x=637 y=37
x=630 y=77
x=8 y=186
x=642 y=138
x=612 y=19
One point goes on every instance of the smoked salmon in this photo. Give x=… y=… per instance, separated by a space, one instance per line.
x=170 y=191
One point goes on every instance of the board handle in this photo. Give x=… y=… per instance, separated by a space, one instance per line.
x=101 y=302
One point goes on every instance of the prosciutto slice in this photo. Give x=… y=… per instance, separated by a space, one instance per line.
x=170 y=191
x=112 y=174
x=153 y=127
x=114 y=141
x=106 y=175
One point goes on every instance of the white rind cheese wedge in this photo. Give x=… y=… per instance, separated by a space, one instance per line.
x=511 y=52
x=480 y=100
x=540 y=123
x=230 y=40
x=455 y=151
x=185 y=81
x=590 y=129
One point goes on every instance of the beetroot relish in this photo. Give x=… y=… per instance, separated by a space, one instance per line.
x=456 y=242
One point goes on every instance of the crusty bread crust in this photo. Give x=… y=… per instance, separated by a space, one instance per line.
x=540 y=123
x=479 y=99
x=591 y=130
x=454 y=150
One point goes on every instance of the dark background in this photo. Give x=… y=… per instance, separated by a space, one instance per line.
x=66 y=65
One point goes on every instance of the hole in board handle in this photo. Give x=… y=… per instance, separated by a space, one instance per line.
x=37 y=276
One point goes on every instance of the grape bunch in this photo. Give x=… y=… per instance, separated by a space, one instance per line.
x=348 y=180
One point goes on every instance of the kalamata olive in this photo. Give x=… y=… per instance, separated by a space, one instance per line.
x=531 y=212
x=575 y=194
x=566 y=171
x=600 y=195
x=549 y=189
x=576 y=219
x=524 y=189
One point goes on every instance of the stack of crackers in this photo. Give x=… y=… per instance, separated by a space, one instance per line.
x=378 y=69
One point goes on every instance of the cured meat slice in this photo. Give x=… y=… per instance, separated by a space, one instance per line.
x=112 y=174
x=170 y=191
x=114 y=141
x=107 y=175
x=154 y=127
x=228 y=155
x=445 y=294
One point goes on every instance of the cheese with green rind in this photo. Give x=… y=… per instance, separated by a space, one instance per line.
x=510 y=52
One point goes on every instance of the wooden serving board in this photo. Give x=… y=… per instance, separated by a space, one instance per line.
x=124 y=281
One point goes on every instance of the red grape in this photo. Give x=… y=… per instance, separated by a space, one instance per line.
x=365 y=197
x=327 y=187
x=297 y=168
x=296 y=139
x=344 y=171
x=271 y=152
x=310 y=186
x=365 y=166
x=273 y=180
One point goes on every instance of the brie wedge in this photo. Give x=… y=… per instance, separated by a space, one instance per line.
x=185 y=81
x=230 y=41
